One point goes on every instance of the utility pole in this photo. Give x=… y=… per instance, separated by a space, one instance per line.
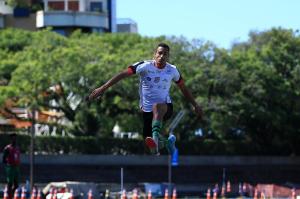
x=32 y=148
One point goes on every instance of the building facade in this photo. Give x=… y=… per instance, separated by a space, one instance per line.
x=64 y=16
x=126 y=25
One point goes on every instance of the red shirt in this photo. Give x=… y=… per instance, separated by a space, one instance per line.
x=13 y=155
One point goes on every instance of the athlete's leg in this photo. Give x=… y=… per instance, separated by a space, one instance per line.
x=16 y=178
x=170 y=143
x=159 y=110
x=147 y=128
x=169 y=112
x=148 y=118
x=9 y=179
x=10 y=190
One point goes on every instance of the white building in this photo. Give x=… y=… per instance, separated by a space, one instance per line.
x=64 y=16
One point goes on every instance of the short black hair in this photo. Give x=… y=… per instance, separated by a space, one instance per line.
x=164 y=45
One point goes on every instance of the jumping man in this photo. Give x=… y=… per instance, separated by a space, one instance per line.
x=156 y=77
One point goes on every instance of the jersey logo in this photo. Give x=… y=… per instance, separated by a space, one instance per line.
x=150 y=71
x=156 y=79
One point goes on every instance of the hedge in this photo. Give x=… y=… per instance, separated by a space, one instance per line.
x=95 y=145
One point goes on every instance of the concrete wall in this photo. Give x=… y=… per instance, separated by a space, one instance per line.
x=191 y=169
x=136 y=160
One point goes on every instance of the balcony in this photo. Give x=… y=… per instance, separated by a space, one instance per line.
x=71 y=19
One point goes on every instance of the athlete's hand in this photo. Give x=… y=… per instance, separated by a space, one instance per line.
x=96 y=93
x=198 y=110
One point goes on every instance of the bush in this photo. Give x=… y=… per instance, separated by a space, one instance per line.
x=95 y=145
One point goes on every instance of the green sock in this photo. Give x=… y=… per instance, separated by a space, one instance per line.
x=156 y=128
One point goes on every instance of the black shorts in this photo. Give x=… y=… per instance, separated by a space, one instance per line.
x=148 y=116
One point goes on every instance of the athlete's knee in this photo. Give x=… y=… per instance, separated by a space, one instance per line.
x=159 y=110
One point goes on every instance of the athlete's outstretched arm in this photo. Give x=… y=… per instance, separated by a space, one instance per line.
x=188 y=95
x=100 y=90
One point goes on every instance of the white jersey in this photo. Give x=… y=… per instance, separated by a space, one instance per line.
x=155 y=83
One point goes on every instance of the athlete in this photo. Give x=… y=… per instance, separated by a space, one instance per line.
x=11 y=160
x=156 y=77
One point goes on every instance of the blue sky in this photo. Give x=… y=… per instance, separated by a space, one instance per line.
x=219 y=21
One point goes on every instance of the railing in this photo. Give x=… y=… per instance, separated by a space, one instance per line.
x=71 y=18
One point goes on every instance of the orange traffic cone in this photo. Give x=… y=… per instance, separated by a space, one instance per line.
x=255 y=194
x=16 y=195
x=293 y=193
x=208 y=193
x=71 y=194
x=39 y=194
x=90 y=194
x=166 y=194
x=23 y=193
x=33 y=193
x=244 y=188
x=149 y=196
x=215 y=195
x=174 y=194
x=5 y=193
x=228 y=187
x=262 y=195
x=134 y=195
x=223 y=190
x=123 y=194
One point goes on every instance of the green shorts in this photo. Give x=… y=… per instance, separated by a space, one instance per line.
x=12 y=174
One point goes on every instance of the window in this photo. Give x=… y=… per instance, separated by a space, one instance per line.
x=73 y=5
x=96 y=6
x=56 y=5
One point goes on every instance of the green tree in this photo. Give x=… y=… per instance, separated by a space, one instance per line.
x=249 y=92
x=261 y=89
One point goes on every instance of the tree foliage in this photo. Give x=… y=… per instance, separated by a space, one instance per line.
x=258 y=87
x=249 y=92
